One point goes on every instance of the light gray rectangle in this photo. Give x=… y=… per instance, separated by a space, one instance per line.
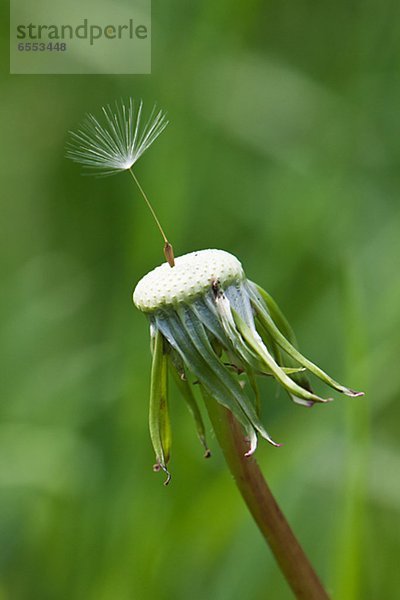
x=80 y=37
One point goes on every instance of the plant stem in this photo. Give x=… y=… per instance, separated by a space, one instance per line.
x=288 y=553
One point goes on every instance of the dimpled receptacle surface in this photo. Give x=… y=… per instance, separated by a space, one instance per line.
x=192 y=275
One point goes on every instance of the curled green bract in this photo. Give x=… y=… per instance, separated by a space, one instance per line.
x=160 y=429
x=211 y=323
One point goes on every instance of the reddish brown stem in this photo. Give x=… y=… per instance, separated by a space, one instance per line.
x=270 y=520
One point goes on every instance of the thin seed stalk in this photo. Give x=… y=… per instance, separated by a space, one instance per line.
x=168 y=249
x=288 y=553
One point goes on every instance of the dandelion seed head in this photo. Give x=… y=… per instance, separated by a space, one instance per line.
x=210 y=323
x=116 y=140
x=192 y=276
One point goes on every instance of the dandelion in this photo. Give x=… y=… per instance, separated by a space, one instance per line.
x=208 y=320
x=115 y=143
x=212 y=326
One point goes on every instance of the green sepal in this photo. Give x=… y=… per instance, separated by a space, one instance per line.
x=267 y=321
x=178 y=373
x=258 y=346
x=283 y=324
x=201 y=368
x=199 y=338
x=159 y=423
x=253 y=383
x=276 y=314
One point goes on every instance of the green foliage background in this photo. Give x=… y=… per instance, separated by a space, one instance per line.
x=284 y=149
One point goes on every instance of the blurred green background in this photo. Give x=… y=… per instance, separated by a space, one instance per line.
x=284 y=149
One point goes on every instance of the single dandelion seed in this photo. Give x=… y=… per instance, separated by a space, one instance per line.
x=210 y=322
x=115 y=142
